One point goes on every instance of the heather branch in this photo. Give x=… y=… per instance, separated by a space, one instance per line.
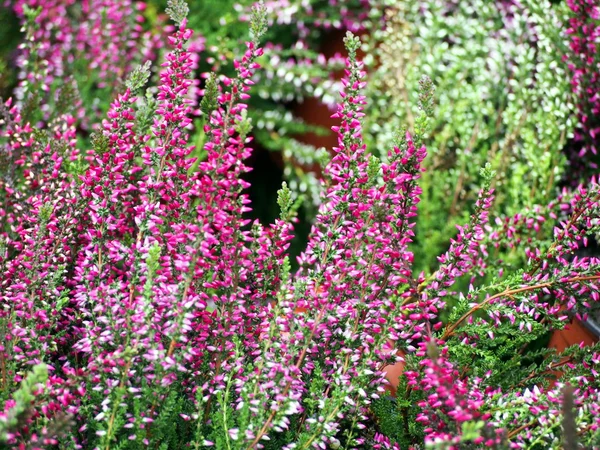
x=450 y=330
x=518 y=430
x=177 y=10
x=564 y=233
x=549 y=369
x=299 y=361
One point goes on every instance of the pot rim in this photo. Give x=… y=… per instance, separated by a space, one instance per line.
x=592 y=326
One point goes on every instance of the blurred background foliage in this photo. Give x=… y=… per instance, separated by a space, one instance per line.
x=502 y=94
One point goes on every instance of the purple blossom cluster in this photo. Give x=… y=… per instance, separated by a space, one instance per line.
x=108 y=32
x=108 y=35
x=137 y=298
x=451 y=401
x=583 y=61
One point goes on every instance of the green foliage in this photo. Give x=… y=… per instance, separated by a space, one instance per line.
x=100 y=142
x=68 y=97
x=177 y=10
x=209 y=100
x=31 y=387
x=487 y=175
x=258 y=22
x=9 y=36
x=138 y=78
x=503 y=99
x=396 y=416
x=152 y=262
x=284 y=200
x=244 y=126
x=145 y=114
x=373 y=168
x=352 y=44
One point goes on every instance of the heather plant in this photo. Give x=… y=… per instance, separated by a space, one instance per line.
x=96 y=43
x=584 y=41
x=294 y=69
x=140 y=307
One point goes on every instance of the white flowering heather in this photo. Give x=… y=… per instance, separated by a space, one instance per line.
x=503 y=96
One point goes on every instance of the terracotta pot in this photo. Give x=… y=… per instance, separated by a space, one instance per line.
x=392 y=373
x=574 y=334
x=312 y=111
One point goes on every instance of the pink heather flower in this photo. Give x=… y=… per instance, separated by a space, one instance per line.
x=449 y=400
x=583 y=33
x=108 y=35
x=122 y=204
x=465 y=252
x=381 y=442
x=344 y=290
